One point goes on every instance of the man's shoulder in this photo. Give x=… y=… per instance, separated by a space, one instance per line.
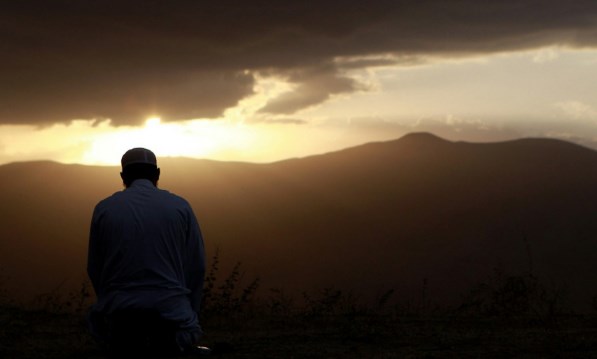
x=162 y=196
x=173 y=197
x=110 y=199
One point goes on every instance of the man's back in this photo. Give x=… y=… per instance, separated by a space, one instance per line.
x=142 y=239
x=146 y=255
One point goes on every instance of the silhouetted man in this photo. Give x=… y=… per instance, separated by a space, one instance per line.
x=146 y=263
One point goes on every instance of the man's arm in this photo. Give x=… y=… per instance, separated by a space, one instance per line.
x=195 y=261
x=94 y=253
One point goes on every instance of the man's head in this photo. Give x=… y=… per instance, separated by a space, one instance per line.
x=139 y=163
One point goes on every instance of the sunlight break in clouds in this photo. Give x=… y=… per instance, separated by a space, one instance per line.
x=482 y=97
x=238 y=135
x=226 y=138
x=230 y=137
x=198 y=138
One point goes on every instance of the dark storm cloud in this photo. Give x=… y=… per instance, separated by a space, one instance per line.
x=188 y=58
x=127 y=97
x=312 y=86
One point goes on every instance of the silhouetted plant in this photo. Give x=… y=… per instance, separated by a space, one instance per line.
x=52 y=301
x=4 y=296
x=79 y=300
x=594 y=303
x=59 y=301
x=228 y=297
x=513 y=295
x=227 y=289
x=329 y=302
x=210 y=280
x=279 y=303
x=383 y=299
x=249 y=291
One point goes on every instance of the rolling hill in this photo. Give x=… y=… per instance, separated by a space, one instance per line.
x=378 y=216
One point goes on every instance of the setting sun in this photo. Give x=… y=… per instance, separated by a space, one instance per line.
x=197 y=138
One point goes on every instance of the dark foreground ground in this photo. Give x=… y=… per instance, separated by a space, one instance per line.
x=43 y=334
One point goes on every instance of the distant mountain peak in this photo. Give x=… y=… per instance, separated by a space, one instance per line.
x=422 y=137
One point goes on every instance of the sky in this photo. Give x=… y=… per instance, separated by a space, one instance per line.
x=261 y=81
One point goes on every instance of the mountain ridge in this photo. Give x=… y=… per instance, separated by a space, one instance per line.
x=417 y=138
x=370 y=217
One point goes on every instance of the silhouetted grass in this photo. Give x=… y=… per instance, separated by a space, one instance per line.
x=224 y=296
x=505 y=316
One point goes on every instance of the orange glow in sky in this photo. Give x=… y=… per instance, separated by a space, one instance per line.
x=546 y=92
x=199 y=138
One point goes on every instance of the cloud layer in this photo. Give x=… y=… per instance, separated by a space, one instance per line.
x=127 y=60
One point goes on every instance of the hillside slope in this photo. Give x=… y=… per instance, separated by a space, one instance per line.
x=369 y=218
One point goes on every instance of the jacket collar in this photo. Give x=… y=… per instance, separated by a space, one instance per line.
x=142 y=183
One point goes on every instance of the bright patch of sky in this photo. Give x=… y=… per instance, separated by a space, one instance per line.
x=530 y=87
x=546 y=92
